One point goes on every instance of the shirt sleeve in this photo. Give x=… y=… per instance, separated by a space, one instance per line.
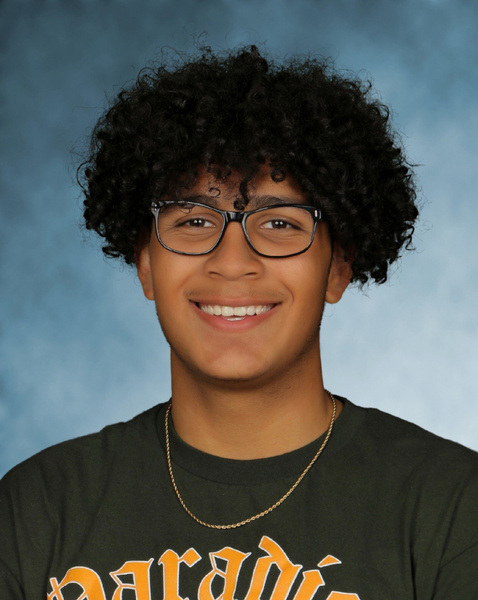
x=457 y=576
x=23 y=523
x=10 y=588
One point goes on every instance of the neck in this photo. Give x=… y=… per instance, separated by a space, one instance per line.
x=251 y=420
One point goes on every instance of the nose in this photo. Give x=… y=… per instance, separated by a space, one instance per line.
x=233 y=258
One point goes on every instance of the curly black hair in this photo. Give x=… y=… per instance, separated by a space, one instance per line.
x=235 y=111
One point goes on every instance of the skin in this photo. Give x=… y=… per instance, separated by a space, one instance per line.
x=259 y=391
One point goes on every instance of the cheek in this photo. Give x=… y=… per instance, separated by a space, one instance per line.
x=172 y=275
x=306 y=280
x=167 y=278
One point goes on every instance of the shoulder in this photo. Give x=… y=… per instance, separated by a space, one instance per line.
x=407 y=441
x=429 y=483
x=431 y=472
x=387 y=446
x=66 y=484
x=394 y=434
x=91 y=454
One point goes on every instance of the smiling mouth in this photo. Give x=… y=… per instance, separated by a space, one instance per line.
x=234 y=313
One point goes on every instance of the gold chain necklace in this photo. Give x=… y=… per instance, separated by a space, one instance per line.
x=264 y=512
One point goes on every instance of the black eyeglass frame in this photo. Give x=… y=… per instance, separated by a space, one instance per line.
x=230 y=216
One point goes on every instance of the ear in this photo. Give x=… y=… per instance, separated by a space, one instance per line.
x=340 y=274
x=143 y=267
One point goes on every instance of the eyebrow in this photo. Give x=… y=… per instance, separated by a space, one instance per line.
x=254 y=202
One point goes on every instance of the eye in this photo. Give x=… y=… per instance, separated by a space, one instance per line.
x=278 y=224
x=197 y=222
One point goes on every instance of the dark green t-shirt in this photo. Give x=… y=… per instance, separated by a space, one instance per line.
x=388 y=512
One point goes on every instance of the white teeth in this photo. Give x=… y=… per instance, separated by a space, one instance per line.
x=234 y=311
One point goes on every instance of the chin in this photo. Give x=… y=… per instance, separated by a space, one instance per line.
x=231 y=376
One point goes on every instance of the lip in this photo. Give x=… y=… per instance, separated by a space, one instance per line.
x=245 y=324
x=234 y=301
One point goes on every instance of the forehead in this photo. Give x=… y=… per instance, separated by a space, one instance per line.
x=262 y=191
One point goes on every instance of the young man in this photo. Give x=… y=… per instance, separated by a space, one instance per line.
x=247 y=194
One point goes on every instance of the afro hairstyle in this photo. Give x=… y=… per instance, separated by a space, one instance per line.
x=233 y=112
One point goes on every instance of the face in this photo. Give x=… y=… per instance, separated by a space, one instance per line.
x=283 y=298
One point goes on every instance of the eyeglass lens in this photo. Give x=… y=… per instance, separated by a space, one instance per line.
x=274 y=232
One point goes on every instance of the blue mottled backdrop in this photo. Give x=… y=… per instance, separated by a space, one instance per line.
x=80 y=346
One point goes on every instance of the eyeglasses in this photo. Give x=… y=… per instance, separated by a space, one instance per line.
x=275 y=231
